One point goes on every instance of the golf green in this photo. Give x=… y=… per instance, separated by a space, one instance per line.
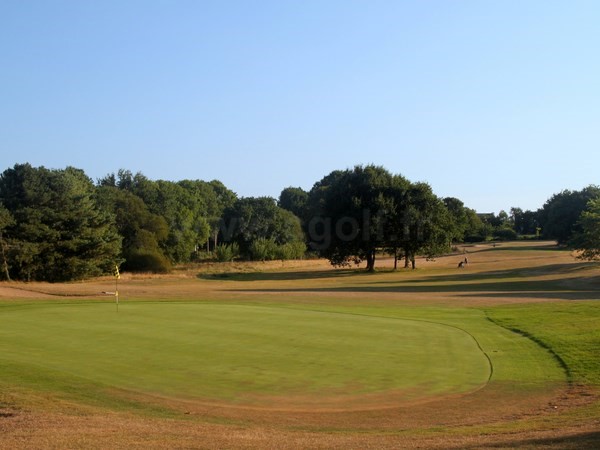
x=238 y=353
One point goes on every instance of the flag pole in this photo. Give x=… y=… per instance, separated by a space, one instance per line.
x=117 y=276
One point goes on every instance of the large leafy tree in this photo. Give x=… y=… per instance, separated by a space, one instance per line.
x=475 y=227
x=210 y=201
x=459 y=218
x=350 y=211
x=357 y=212
x=587 y=240
x=59 y=232
x=560 y=215
x=294 y=199
x=143 y=232
x=185 y=206
x=524 y=222
x=427 y=225
x=185 y=214
x=252 y=219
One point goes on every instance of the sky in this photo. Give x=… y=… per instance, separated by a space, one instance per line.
x=496 y=103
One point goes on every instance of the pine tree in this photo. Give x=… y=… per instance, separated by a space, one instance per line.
x=59 y=232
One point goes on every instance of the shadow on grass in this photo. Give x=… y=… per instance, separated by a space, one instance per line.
x=547 y=295
x=512 y=247
x=510 y=288
x=463 y=275
x=573 y=442
x=282 y=276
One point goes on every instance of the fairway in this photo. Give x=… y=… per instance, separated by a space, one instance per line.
x=245 y=355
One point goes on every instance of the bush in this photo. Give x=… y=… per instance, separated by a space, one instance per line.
x=227 y=253
x=528 y=237
x=146 y=261
x=202 y=256
x=474 y=238
x=291 y=250
x=505 y=234
x=263 y=249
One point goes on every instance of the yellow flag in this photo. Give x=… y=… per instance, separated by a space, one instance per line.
x=117 y=274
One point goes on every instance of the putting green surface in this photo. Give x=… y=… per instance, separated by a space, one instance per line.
x=239 y=354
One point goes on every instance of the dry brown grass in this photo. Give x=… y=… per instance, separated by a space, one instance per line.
x=498 y=416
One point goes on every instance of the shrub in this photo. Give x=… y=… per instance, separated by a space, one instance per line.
x=291 y=250
x=147 y=261
x=227 y=253
x=474 y=238
x=263 y=249
x=505 y=234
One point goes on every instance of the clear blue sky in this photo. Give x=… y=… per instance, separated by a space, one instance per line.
x=494 y=102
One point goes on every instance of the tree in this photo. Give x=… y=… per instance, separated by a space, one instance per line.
x=59 y=231
x=188 y=207
x=251 y=219
x=294 y=199
x=6 y=220
x=458 y=217
x=559 y=217
x=211 y=200
x=142 y=232
x=184 y=212
x=501 y=220
x=350 y=211
x=587 y=240
x=524 y=222
x=357 y=212
x=395 y=227
x=224 y=198
x=504 y=228
x=426 y=223
x=476 y=229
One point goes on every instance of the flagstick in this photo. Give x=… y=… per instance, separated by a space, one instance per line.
x=117 y=276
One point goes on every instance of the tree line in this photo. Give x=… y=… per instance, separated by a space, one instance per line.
x=58 y=224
